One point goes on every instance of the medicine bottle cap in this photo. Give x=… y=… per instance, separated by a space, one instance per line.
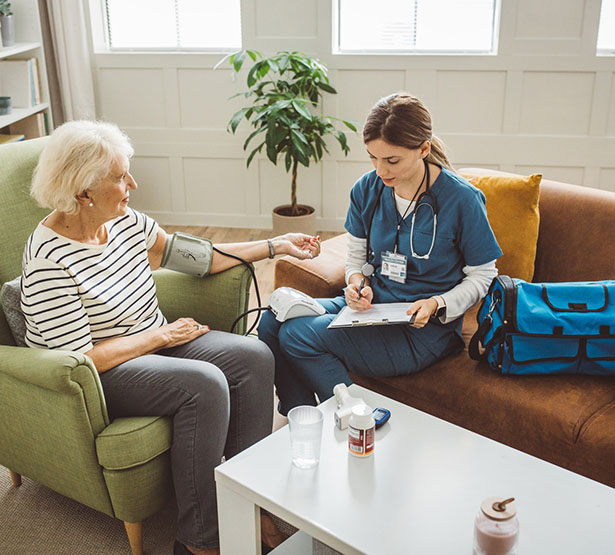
x=362 y=417
x=499 y=508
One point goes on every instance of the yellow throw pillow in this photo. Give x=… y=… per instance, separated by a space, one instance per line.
x=512 y=209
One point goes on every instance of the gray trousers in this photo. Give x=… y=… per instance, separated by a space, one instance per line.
x=219 y=391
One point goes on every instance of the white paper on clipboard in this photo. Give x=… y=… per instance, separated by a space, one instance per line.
x=379 y=315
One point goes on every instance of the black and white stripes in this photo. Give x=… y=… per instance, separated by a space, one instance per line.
x=74 y=295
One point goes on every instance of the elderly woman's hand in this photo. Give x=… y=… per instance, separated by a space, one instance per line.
x=299 y=245
x=181 y=331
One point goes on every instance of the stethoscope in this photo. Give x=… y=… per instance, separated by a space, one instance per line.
x=368 y=268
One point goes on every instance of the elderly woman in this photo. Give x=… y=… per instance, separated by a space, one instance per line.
x=87 y=286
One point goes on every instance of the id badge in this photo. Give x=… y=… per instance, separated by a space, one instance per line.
x=394 y=266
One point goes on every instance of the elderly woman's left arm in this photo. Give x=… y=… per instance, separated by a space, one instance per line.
x=298 y=245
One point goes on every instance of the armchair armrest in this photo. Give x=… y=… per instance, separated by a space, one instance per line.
x=52 y=409
x=56 y=371
x=215 y=300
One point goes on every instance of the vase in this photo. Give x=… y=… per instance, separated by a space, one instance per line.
x=305 y=222
x=7 y=30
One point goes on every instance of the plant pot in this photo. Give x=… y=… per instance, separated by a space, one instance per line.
x=7 y=30
x=283 y=223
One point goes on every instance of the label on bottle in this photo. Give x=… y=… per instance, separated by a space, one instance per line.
x=361 y=442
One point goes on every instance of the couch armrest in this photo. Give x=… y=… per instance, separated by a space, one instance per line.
x=215 y=300
x=321 y=277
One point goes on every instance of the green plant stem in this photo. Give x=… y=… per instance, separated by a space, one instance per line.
x=293 y=189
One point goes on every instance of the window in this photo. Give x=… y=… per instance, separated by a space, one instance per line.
x=173 y=24
x=606 y=31
x=416 y=26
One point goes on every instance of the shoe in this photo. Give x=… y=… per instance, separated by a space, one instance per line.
x=180 y=549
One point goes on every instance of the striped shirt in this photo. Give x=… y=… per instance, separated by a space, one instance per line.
x=74 y=295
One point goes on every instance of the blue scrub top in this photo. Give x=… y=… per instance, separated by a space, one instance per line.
x=463 y=235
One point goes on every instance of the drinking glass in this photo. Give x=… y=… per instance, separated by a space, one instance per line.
x=305 y=423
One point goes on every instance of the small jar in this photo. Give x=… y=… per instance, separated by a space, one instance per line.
x=496 y=528
x=361 y=428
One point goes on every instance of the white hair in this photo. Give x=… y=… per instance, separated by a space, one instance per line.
x=77 y=157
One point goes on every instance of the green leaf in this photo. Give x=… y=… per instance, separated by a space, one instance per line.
x=238 y=59
x=251 y=79
x=288 y=160
x=254 y=54
x=272 y=154
x=236 y=119
x=349 y=125
x=326 y=87
x=301 y=109
x=251 y=136
x=253 y=153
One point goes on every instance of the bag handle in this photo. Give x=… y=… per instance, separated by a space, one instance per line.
x=476 y=342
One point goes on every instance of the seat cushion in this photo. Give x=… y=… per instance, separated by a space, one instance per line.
x=133 y=441
x=10 y=296
x=512 y=209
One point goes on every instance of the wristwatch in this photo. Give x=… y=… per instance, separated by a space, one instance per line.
x=441 y=310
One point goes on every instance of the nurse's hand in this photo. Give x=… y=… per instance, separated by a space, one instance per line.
x=424 y=310
x=351 y=294
x=299 y=245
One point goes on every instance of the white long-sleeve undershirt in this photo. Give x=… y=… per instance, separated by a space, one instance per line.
x=465 y=294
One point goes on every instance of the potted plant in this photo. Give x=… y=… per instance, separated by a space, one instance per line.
x=7 y=28
x=285 y=91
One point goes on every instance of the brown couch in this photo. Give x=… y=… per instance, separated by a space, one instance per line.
x=568 y=420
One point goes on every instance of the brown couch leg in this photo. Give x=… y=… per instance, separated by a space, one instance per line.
x=135 y=537
x=16 y=478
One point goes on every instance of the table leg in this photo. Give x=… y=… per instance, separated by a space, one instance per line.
x=239 y=523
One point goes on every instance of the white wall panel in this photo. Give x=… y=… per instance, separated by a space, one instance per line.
x=155 y=187
x=284 y=18
x=132 y=97
x=561 y=173
x=611 y=110
x=204 y=97
x=607 y=179
x=556 y=103
x=216 y=186
x=469 y=101
x=347 y=175
x=358 y=91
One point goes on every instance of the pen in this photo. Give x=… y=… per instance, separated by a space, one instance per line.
x=360 y=288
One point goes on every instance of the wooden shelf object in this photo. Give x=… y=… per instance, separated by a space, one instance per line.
x=36 y=120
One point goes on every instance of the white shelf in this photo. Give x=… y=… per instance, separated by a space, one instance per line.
x=18 y=114
x=18 y=48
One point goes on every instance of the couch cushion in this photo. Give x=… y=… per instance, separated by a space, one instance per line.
x=132 y=441
x=512 y=209
x=10 y=296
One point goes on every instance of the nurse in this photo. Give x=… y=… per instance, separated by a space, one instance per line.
x=418 y=234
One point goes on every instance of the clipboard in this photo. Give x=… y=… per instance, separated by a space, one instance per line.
x=384 y=314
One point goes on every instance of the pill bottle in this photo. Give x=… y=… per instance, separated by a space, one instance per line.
x=496 y=528
x=361 y=428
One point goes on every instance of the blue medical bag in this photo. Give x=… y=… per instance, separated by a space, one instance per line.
x=547 y=328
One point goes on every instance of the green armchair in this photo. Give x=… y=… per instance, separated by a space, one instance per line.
x=54 y=426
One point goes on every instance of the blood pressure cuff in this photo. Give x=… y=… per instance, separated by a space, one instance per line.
x=188 y=254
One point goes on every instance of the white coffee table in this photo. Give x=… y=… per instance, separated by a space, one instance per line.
x=419 y=492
